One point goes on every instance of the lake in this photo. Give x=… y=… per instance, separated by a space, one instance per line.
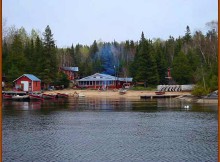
x=105 y=129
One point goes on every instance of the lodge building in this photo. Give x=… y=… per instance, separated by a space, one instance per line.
x=98 y=80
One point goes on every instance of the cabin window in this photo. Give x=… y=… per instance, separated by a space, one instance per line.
x=29 y=84
x=90 y=82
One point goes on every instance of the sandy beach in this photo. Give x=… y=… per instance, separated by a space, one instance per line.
x=110 y=93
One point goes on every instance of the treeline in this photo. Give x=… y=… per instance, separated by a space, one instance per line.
x=192 y=58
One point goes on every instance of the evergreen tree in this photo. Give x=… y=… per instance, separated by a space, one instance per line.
x=5 y=54
x=145 y=63
x=161 y=64
x=187 y=36
x=72 y=54
x=182 y=73
x=93 y=49
x=39 y=56
x=49 y=63
x=16 y=59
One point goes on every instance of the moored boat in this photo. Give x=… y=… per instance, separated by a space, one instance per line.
x=62 y=95
x=48 y=96
x=7 y=96
x=36 y=97
x=160 y=92
x=15 y=95
x=122 y=91
x=20 y=97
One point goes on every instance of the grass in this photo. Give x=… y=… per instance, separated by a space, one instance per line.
x=141 y=88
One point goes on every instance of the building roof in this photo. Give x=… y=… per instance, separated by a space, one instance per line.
x=98 y=77
x=70 y=68
x=125 y=79
x=30 y=76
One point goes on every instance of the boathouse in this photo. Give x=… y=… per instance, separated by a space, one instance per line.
x=71 y=72
x=104 y=81
x=28 y=83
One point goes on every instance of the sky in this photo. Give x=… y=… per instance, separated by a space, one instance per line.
x=83 y=21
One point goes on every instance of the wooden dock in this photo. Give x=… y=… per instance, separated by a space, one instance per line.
x=159 y=96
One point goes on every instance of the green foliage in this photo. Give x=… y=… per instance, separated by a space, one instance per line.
x=200 y=91
x=145 y=63
x=142 y=88
x=50 y=65
x=182 y=71
x=61 y=79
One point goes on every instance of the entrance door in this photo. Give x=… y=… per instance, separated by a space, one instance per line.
x=25 y=87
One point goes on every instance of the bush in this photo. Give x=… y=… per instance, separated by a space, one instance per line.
x=200 y=91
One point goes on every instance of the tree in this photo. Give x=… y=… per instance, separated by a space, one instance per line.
x=145 y=64
x=187 y=36
x=182 y=72
x=49 y=63
x=16 y=60
x=161 y=63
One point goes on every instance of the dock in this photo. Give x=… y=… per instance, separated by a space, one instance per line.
x=159 y=96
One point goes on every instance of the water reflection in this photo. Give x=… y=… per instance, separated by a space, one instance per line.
x=109 y=104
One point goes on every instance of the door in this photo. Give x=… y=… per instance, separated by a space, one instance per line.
x=25 y=87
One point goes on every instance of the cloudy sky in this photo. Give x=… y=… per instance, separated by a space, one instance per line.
x=83 y=21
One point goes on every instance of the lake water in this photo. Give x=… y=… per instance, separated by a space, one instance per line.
x=103 y=129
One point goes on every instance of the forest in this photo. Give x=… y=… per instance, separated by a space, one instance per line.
x=192 y=58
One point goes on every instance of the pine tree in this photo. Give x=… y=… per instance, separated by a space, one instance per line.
x=16 y=59
x=145 y=64
x=182 y=73
x=72 y=54
x=49 y=63
x=187 y=36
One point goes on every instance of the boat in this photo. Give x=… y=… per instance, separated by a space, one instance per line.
x=81 y=95
x=7 y=97
x=62 y=95
x=122 y=91
x=48 y=96
x=36 y=97
x=160 y=92
x=15 y=95
x=20 y=97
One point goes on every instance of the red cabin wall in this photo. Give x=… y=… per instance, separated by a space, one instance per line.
x=36 y=84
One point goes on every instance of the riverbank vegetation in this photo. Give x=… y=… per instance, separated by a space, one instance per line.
x=192 y=58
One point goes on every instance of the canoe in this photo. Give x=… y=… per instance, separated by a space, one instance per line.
x=160 y=92
x=7 y=97
x=20 y=97
x=48 y=96
x=122 y=91
x=61 y=95
x=35 y=97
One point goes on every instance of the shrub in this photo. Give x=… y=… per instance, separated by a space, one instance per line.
x=200 y=91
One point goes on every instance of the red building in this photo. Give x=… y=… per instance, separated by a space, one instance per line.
x=71 y=72
x=28 y=83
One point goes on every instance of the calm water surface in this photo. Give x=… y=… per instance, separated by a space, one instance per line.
x=95 y=129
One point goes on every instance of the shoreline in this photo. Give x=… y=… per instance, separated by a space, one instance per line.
x=111 y=93
x=130 y=94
